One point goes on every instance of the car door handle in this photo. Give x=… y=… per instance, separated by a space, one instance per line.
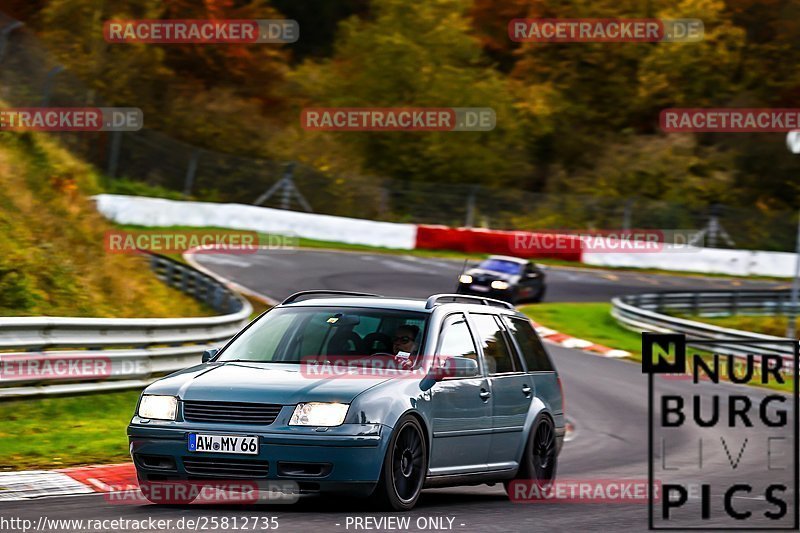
x=485 y=395
x=526 y=390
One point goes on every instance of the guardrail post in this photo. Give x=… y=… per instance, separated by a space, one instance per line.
x=185 y=280
x=191 y=172
x=207 y=293
x=169 y=271
x=113 y=154
x=696 y=304
x=217 y=298
x=734 y=303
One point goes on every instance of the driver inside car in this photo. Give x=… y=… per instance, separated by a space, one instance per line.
x=404 y=345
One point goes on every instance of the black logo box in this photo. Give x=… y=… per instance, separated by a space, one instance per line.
x=679 y=342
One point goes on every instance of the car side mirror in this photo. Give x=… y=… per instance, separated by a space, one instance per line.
x=208 y=355
x=456 y=367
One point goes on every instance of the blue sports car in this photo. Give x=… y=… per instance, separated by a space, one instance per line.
x=357 y=393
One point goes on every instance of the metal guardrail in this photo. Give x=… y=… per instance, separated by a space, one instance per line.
x=649 y=312
x=116 y=353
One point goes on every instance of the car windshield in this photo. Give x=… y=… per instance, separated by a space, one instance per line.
x=502 y=266
x=292 y=335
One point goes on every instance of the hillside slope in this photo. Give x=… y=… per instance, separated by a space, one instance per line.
x=52 y=260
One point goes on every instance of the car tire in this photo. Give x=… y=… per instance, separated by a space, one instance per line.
x=539 y=295
x=540 y=458
x=404 y=468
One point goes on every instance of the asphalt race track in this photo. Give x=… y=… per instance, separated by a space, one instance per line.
x=605 y=398
x=280 y=273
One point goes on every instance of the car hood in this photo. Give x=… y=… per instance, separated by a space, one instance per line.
x=491 y=275
x=274 y=383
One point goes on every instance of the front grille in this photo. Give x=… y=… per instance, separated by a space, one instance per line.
x=223 y=467
x=230 y=412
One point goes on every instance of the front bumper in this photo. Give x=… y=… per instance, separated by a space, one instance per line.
x=347 y=458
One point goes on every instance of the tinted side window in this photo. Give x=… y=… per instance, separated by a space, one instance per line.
x=496 y=351
x=456 y=339
x=532 y=349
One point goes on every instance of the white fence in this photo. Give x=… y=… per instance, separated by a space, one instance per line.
x=143 y=211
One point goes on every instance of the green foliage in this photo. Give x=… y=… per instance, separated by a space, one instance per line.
x=420 y=56
x=571 y=118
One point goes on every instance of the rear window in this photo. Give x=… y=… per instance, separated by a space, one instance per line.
x=532 y=350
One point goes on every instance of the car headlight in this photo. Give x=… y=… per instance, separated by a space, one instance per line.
x=319 y=414
x=499 y=285
x=465 y=278
x=158 y=407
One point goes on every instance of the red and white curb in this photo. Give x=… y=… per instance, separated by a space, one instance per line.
x=66 y=482
x=568 y=341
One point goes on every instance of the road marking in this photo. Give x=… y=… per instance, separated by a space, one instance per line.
x=223 y=260
x=402 y=267
x=431 y=262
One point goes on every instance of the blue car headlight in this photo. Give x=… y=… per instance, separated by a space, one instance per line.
x=319 y=414
x=158 y=407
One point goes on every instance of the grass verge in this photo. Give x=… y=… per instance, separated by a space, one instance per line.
x=590 y=321
x=65 y=431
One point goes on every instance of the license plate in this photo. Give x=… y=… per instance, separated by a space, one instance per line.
x=223 y=444
x=479 y=288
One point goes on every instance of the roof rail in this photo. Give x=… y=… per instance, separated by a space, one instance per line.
x=300 y=294
x=433 y=300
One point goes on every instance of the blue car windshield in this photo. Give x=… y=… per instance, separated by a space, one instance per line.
x=293 y=334
x=499 y=265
